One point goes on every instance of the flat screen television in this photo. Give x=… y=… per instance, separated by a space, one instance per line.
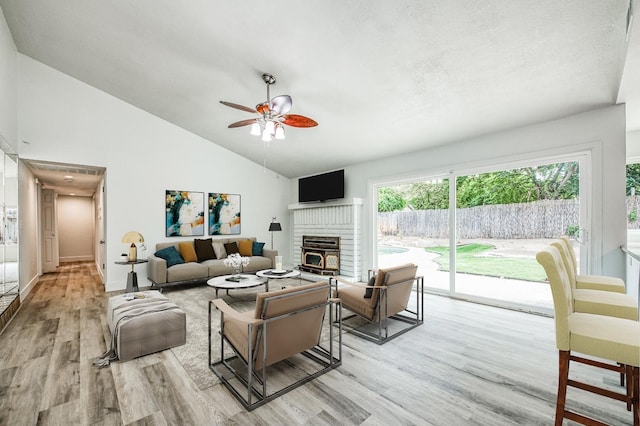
x=323 y=187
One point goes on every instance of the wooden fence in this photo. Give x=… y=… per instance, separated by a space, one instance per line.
x=540 y=219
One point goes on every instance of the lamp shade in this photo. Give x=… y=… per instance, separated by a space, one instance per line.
x=132 y=237
x=275 y=226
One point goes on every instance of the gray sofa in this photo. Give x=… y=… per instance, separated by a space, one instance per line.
x=199 y=272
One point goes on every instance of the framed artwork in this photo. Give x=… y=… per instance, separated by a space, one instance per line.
x=184 y=213
x=224 y=214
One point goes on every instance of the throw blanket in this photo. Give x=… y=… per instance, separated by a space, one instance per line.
x=127 y=312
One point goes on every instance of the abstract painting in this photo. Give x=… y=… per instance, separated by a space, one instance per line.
x=184 y=213
x=224 y=214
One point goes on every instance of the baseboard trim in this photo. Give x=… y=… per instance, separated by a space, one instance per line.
x=76 y=259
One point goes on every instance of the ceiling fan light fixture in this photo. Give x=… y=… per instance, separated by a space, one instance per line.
x=270 y=127
x=273 y=115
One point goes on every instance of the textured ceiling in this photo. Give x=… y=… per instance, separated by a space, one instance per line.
x=380 y=77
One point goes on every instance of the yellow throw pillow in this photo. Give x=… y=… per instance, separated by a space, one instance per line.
x=188 y=251
x=245 y=247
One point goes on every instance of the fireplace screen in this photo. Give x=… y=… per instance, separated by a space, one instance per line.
x=313 y=259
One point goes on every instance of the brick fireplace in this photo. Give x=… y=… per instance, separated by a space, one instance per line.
x=340 y=220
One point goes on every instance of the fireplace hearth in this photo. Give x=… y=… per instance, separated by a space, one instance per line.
x=320 y=254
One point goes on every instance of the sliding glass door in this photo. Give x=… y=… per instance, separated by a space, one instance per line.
x=502 y=218
x=413 y=225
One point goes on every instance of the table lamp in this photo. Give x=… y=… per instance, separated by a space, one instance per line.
x=273 y=227
x=133 y=237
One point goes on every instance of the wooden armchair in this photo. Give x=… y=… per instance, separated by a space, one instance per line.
x=383 y=299
x=283 y=324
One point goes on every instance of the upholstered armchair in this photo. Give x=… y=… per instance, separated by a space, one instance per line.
x=383 y=303
x=285 y=325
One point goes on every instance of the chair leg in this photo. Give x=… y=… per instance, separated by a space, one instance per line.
x=622 y=376
x=635 y=385
x=563 y=377
x=629 y=375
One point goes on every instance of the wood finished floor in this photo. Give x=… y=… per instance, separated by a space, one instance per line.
x=467 y=365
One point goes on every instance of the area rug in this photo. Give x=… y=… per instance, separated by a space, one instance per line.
x=194 y=355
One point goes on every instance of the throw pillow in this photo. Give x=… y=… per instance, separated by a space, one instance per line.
x=245 y=247
x=204 y=249
x=231 y=248
x=219 y=250
x=256 y=248
x=369 y=291
x=171 y=255
x=187 y=251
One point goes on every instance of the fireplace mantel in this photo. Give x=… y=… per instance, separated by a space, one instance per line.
x=334 y=203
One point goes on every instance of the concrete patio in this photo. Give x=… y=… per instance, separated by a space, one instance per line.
x=514 y=293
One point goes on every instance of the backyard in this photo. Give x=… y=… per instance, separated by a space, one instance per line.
x=486 y=268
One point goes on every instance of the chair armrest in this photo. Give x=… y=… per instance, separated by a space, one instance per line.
x=157 y=269
x=232 y=313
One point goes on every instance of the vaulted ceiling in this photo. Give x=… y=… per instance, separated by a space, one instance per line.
x=380 y=77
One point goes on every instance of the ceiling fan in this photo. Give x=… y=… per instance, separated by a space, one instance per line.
x=272 y=114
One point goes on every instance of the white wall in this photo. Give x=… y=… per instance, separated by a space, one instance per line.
x=75 y=228
x=602 y=132
x=28 y=223
x=65 y=120
x=8 y=88
x=633 y=145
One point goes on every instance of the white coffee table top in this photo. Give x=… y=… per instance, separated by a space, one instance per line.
x=273 y=274
x=247 y=282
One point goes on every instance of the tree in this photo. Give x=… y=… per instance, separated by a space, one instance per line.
x=428 y=196
x=390 y=199
x=633 y=178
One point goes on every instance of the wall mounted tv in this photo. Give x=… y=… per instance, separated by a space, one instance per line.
x=327 y=186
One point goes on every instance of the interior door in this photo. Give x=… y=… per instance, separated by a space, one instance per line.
x=50 y=254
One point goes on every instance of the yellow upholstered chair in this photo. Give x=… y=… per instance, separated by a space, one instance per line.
x=592 y=300
x=382 y=300
x=599 y=336
x=283 y=324
x=592 y=282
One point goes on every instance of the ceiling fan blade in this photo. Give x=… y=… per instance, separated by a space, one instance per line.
x=240 y=107
x=242 y=123
x=295 y=120
x=281 y=104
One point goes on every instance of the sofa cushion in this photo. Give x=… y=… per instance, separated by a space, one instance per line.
x=219 y=250
x=231 y=248
x=258 y=263
x=170 y=255
x=187 y=271
x=217 y=267
x=187 y=251
x=204 y=249
x=256 y=248
x=245 y=247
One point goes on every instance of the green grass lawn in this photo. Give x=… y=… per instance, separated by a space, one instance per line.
x=470 y=260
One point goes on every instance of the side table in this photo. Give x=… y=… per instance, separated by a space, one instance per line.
x=132 y=277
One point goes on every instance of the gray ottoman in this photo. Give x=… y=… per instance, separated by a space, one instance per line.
x=145 y=325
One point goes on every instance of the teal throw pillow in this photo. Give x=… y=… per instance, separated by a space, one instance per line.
x=256 y=248
x=171 y=255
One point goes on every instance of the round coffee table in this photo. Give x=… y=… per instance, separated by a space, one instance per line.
x=272 y=274
x=247 y=281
